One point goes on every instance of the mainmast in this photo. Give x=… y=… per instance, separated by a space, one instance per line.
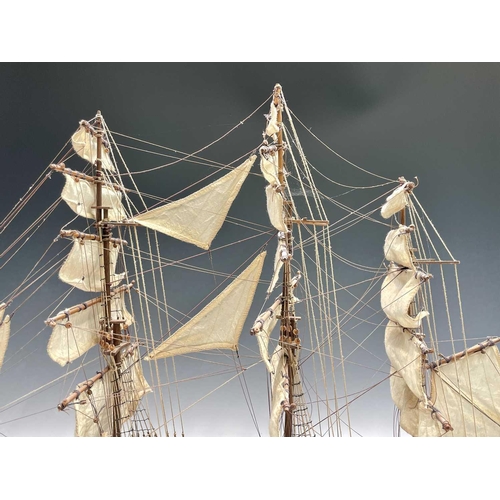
x=289 y=333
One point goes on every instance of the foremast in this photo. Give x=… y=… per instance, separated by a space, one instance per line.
x=111 y=328
x=103 y=320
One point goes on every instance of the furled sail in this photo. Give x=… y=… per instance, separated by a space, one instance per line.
x=397 y=200
x=80 y=196
x=275 y=208
x=82 y=268
x=79 y=332
x=4 y=333
x=279 y=389
x=281 y=256
x=198 y=217
x=272 y=123
x=95 y=418
x=397 y=246
x=263 y=327
x=269 y=168
x=85 y=146
x=398 y=290
x=218 y=325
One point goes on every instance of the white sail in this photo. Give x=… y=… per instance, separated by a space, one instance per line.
x=4 y=333
x=272 y=124
x=467 y=393
x=95 y=418
x=279 y=390
x=275 y=208
x=398 y=290
x=269 y=168
x=406 y=357
x=397 y=200
x=280 y=257
x=218 y=325
x=82 y=268
x=80 y=195
x=79 y=332
x=85 y=146
x=278 y=264
x=397 y=247
x=264 y=334
x=197 y=218
x=407 y=389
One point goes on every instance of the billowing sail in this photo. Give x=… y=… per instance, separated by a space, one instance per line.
x=398 y=290
x=218 y=325
x=275 y=208
x=80 y=195
x=407 y=381
x=279 y=389
x=82 y=268
x=85 y=145
x=397 y=200
x=4 y=333
x=467 y=392
x=397 y=247
x=95 y=418
x=79 y=332
x=197 y=218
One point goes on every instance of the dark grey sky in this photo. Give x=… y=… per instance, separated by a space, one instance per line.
x=436 y=121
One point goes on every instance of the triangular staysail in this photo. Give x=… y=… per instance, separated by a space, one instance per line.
x=197 y=218
x=218 y=325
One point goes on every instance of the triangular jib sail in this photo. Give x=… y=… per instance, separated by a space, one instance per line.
x=197 y=218
x=218 y=325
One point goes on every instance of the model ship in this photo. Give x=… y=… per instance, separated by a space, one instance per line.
x=303 y=333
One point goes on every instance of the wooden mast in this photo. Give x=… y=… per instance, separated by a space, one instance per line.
x=288 y=329
x=289 y=333
x=110 y=327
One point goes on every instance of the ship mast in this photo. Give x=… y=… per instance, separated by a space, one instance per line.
x=110 y=328
x=289 y=333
